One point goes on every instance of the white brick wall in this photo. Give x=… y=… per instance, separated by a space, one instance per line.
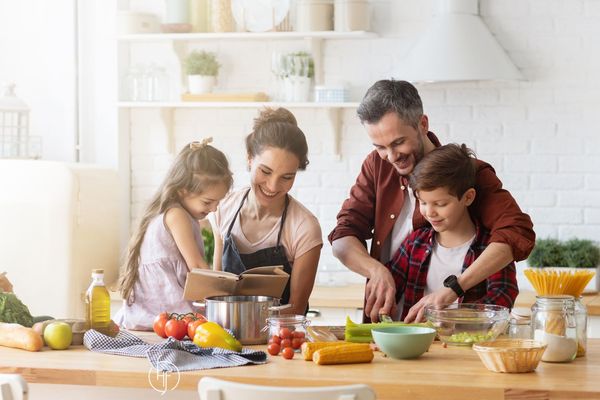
x=541 y=135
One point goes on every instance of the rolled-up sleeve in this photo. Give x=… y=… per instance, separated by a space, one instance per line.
x=357 y=216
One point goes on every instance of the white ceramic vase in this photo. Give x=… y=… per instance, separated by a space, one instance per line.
x=200 y=84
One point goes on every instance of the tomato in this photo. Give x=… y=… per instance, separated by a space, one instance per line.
x=285 y=333
x=287 y=353
x=285 y=343
x=298 y=334
x=159 y=324
x=191 y=327
x=273 y=349
x=275 y=339
x=176 y=328
x=297 y=342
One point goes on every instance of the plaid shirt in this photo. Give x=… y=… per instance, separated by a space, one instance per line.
x=410 y=264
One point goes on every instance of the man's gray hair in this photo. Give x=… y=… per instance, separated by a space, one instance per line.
x=391 y=95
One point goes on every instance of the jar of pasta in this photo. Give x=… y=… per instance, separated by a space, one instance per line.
x=553 y=323
x=581 y=318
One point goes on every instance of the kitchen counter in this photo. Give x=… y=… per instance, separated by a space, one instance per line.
x=351 y=296
x=442 y=373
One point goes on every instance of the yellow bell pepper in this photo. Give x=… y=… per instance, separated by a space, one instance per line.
x=211 y=334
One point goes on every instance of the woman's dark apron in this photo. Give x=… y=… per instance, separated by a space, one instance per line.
x=237 y=263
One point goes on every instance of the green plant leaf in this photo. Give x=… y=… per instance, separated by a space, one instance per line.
x=202 y=63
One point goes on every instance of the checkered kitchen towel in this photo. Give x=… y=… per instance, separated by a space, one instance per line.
x=171 y=354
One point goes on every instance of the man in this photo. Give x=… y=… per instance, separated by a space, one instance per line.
x=382 y=207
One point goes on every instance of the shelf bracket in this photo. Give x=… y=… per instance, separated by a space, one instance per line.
x=179 y=49
x=315 y=46
x=335 y=120
x=167 y=116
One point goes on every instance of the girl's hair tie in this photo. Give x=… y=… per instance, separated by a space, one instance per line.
x=202 y=144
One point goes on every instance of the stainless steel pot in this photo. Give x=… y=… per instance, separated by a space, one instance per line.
x=245 y=316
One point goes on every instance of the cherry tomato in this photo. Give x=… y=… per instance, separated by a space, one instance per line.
x=298 y=334
x=287 y=353
x=275 y=339
x=191 y=327
x=296 y=343
x=273 y=349
x=159 y=324
x=285 y=343
x=176 y=328
x=285 y=333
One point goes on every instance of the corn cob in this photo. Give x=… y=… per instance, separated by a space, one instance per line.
x=350 y=354
x=309 y=348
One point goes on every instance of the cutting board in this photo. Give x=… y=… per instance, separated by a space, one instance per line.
x=259 y=96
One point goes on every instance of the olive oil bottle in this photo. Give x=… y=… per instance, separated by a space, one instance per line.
x=97 y=301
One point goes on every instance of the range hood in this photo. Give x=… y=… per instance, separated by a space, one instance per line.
x=457 y=46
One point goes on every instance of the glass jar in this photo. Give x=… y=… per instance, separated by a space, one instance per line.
x=292 y=327
x=553 y=323
x=519 y=328
x=581 y=318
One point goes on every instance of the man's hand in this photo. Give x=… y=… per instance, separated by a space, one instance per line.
x=380 y=292
x=440 y=297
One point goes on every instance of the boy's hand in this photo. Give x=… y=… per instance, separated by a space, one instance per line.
x=380 y=292
x=440 y=297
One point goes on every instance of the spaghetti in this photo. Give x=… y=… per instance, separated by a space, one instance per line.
x=550 y=281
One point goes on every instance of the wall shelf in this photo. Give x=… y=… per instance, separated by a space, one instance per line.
x=167 y=109
x=233 y=104
x=153 y=37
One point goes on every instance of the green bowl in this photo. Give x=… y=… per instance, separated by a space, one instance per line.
x=402 y=342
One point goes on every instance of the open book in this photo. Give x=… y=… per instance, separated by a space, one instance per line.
x=259 y=281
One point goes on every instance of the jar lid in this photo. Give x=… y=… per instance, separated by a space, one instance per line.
x=97 y=271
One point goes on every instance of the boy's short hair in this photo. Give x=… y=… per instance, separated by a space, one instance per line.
x=451 y=166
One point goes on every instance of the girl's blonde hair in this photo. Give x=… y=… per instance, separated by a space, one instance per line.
x=197 y=167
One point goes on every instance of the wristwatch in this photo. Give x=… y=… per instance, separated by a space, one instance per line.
x=452 y=283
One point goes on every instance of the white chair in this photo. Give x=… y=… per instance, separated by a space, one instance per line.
x=217 y=389
x=13 y=387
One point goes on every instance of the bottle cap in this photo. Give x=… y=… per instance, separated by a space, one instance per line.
x=97 y=271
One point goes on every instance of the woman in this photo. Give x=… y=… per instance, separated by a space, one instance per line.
x=262 y=224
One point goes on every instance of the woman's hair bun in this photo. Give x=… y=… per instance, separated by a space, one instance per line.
x=269 y=115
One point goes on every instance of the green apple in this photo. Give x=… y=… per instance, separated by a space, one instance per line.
x=58 y=335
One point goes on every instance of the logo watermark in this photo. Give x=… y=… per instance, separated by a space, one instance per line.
x=164 y=378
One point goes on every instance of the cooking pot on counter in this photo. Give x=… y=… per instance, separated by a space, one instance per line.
x=245 y=316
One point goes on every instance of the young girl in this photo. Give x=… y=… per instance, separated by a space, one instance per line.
x=168 y=242
x=262 y=224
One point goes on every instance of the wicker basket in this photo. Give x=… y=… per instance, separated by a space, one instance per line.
x=510 y=355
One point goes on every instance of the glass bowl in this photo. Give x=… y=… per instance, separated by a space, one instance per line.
x=464 y=324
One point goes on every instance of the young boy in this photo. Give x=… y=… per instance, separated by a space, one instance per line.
x=431 y=258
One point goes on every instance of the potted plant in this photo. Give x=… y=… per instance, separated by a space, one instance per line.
x=202 y=69
x=574 y=253
x=299 y=70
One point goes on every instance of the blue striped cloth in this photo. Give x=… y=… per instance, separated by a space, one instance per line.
x=172 y=354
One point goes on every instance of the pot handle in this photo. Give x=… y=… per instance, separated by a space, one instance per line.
x=199 y=304
x=279 y=308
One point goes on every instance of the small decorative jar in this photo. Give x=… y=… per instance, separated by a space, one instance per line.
x=553 y=323
x=520 y=324
x=288 y=327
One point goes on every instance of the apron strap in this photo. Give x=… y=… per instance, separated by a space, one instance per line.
x=237 y=213
x=287 y=202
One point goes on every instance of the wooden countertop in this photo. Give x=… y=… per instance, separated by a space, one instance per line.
x=348 y=296
x=351 y=296
x=442 y=373
x=591 y=300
